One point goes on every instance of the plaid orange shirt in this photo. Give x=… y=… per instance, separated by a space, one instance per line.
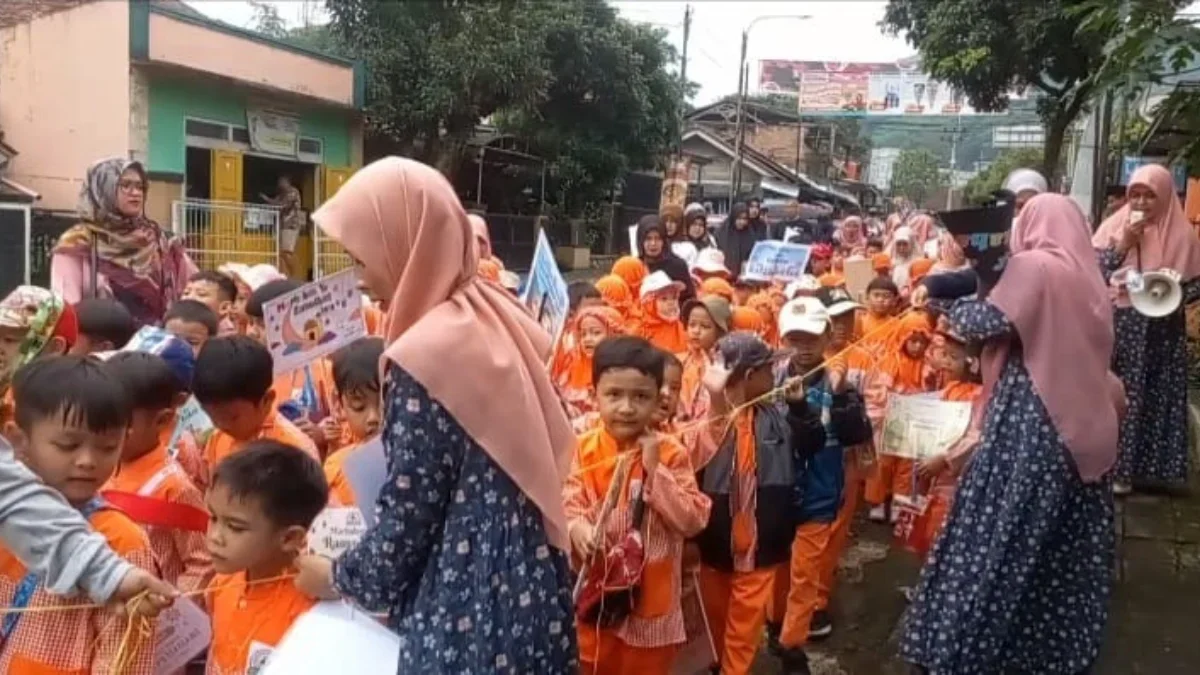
x=341 y=492
x=183 y=559
x=276 y=427
x=75 y=642
x=676 y=510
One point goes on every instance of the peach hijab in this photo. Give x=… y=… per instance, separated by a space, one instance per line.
x=403 y=222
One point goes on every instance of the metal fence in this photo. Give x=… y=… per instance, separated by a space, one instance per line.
x=215 y=232
x=328 y=256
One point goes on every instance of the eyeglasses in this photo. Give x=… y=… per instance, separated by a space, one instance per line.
x=131 y=186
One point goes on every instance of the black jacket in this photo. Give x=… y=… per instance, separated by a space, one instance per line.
x=674 y=266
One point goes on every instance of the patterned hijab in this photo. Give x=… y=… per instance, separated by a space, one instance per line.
x=145 y=267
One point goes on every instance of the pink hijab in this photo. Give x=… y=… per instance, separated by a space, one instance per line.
x=403 y=222
x=1055 y=297
x=950 y=255
x=851 y=230
x=921 y=225
x=1168 y=242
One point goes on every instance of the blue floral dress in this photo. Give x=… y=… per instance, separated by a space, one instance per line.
x=459 y=558
x=1151 y=358
x=1018 y=581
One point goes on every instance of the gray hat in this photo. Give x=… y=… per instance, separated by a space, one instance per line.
x=717 y=307
x=742 y=351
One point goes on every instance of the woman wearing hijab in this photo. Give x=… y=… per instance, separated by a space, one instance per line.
x=1025 y=184
x=1151 y=233
x=951 y=257
x=1018 y=581
x=852 y=237
x=654 y=248
x=902 y=252
x=116 y=251
x=483 y=239
x=696 y=224
x=468 y=558
x=923 y=229
x=737 y=238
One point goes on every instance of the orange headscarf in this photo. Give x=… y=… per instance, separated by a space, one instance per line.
x=574 y=371
x=718 y=287
x=403 y=220
x=881 y=262
x=617 y=294
x=747 y=319
x=917 y=271
x=632 y=271
x=908 y=375
x=668 y=335
x=763 y=303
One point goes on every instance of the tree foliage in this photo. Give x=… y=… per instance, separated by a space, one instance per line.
x=267 y=20
x=981 y=187
x=916 y=175
x=1061 y=50
x=588 y=90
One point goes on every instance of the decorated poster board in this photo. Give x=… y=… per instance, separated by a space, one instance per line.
x=366 y=469
x=917 y=427
x=675 y=185
x=546 y=291
x=335 y=637
x=336 y=530
x=192 y=427
x=859 y=273
x=314 y=320
x=777 y=261
x=182 y=632
x=982 y=232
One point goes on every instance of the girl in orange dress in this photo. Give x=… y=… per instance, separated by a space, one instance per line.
x=707 y=320
x=573 y=373
x=660 y=321
x=618 y=295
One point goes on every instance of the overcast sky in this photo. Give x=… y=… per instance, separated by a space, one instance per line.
x=845 y=30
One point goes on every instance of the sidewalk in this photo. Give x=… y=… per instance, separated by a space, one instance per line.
x=1154 y=620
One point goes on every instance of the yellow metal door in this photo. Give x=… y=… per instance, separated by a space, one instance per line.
x=226 y=176
x=224 y=220
x=329 y=256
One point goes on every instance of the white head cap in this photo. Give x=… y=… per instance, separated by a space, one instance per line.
x=1025 y=180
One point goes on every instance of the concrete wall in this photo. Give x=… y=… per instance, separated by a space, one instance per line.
x=64 y=96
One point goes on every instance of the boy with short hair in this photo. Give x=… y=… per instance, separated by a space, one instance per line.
x=309 y=390
x=804 y=324
x=104 y=325
x=193 y=322
x=216 y=291
x=71 y=418
x=645 y=473
x=356 y=375
x=882 y=302
x=150 y=486
x=263 y=501
x=232 y=382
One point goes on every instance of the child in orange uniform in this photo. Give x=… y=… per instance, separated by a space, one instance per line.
x=660 y=319
x=903 y=372
x=707 y=321
x=193 y=322
x=626 y=465
x=150 y=486
x=104 y=325
x=71 y=418
x=263 y=500
x=959 y=367
x=572 y=373
x=875 y=324
x=233 y=384
x=356 y=375
x=218 y=292
x=749 y=470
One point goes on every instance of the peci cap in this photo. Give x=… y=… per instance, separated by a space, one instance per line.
x=804 y=314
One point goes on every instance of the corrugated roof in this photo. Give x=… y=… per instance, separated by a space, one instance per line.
x=16 y=12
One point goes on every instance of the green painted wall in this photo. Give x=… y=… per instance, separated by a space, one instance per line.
x=171 y=101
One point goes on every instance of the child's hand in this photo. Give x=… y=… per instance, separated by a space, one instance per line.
x=331 y=429
x=650 y=451
x=583 y=539
x=158 y=594
x=716 y=376
x=793 y=390
x=932 y=466
x=919 y=297
x=315 y=578
x=311 y=430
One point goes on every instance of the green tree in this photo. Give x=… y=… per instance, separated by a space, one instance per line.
x=435 y=69
x=1062 y=50
x=609 y=105
x=981 y=187
x=916 y=175
x=267 y=20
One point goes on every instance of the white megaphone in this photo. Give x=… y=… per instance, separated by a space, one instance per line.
x=1155 y=294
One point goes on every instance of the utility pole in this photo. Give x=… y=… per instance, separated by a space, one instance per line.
x=683 y=81
x=735 y=171
x=953 y=161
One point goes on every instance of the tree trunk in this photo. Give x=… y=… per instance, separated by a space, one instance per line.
x=1056 y=133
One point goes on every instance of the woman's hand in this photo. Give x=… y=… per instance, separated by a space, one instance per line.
x=1133 y=231
x=919 y=296
x=315 y=578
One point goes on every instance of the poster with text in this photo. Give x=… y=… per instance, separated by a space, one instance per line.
x=546 y=291
x=777 y=261
x=917 y=427
x=314 y=320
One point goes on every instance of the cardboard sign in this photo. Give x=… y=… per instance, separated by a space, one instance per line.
x=192 y=426
x=983 y=235
x=366 y=469
x=314 y=320
x=335 y=637
x=675 y=185
x=859 y=272
x=777 y=261
x=633 y=242
x=336 y=530
x=183 y=632
x=546 y=291
x=917 y=427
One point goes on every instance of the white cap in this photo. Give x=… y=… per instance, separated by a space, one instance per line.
x=711 y=261
x=838 y=301
x=807 y=315
x=658 y=281
x=903 y=233
x=805 y=284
